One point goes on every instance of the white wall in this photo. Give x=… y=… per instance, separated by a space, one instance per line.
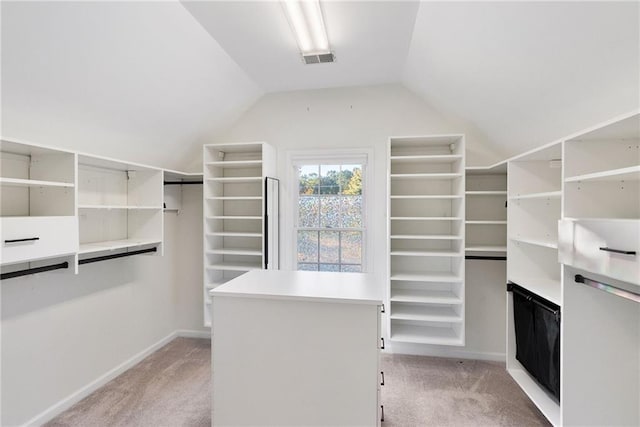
x=61 y=332
x=365 y=117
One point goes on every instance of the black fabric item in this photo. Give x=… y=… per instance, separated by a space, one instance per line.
x=547 y=331
x=525 y=333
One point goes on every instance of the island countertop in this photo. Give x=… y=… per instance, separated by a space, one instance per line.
x=354 y=288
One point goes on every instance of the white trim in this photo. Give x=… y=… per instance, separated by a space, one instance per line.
x=187 y=333
x=64 y=404
x=434 y=351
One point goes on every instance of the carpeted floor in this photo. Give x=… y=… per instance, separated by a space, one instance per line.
x=172 y=388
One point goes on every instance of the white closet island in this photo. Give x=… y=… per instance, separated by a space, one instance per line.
x=297 y=348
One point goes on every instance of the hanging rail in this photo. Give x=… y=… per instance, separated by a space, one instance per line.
x=623 y=293
x=118 y=255
x=487 y=257
x=535 y=298
x=12 y=274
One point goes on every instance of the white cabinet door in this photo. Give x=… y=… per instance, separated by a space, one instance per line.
x=32 y=238
x=606 y=247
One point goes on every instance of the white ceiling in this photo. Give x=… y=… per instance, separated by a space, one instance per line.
x=134 y=80
x=148 y=82
x=370 y=41
x=527 y=73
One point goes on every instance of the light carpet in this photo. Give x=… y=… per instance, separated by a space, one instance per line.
x=171 y=387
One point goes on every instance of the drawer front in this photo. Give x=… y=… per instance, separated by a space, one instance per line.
x=31 y=238
x=609 y=248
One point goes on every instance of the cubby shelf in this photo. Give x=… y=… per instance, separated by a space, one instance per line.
x=426 y=158
x=234 y=198
x=426 y=196
x=17 y=182
x=235 y=164
x=631 y=173
x=486 y=193
x=486 y=249
x=486 y=222
x=424 y=277
x=230 y=251
x=425 y=237
x=431 y=253
x=425 y=218
x=235 y=266
x=424 y=297
x=426 y=335
x=434 y=314
x=234 y=234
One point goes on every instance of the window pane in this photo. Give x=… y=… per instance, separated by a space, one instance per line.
x=329 y=246
x=309 y=179
x=307 y=246
x=330 y=211
x=351 y=179
x=329 y=267
x=308 y=209
x=352 y=212
x=329 y=175
x=307 y=267
x=351 y=247
x=351 y=268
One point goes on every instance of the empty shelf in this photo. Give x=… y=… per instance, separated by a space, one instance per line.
x=425 y=313
x=424 y=297
x=537 y=242
x=235 y=266
x=486 y=193
x=117 y=207
x=545 y=287
x=87 y=248
x=234 y=164
x=426 y=196
x=436 y=277
x=425 y=175
x=18 y=182
x=631 y=173
x=425 y=334
x=445 y=158
x=425 y=253
x=486 y=249
x=482 y=222
x=237 y=179
x=234 y=234
x=545 y=195
x=425 y=218
x=425 y=237
x=233 y=217
x=230 y=251
x=239 y=198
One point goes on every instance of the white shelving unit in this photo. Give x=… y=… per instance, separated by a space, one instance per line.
x=37 y=206
x=426 y=211
x=234 y=206
x=534 y=208
x=486 y=210
x=119 y=206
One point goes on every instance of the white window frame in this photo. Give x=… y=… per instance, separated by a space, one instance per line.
x=333 y=157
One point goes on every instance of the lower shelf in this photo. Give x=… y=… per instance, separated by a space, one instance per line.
x=426 y=335
x=422 y=313
x=549 y=407
x=235 y=266
x=424 y=296
x=93 y=247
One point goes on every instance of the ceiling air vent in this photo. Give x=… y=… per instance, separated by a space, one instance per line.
x=319 y=59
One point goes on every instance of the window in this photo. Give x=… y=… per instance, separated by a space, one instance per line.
x=330 y=229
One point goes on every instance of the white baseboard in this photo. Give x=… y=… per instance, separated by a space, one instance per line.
x=64 y=404
x=186 y=333
x=450 y=352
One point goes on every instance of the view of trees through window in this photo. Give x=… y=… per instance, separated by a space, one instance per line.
x=330 y=218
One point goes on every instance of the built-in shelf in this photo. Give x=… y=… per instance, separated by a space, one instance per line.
x=116 y=207
x=425 y=237
x=426 y=159
x=233 y=234
x=425 y=218
x=238 y=217
x=537 y=242
x=631 y=173
x=17 y=182
x=482 y=222
x=235 y=266
x=426 y=196
x=543 y=195
x=112 y=245
x=425 y=175
x=231 y=198
x=433 y=253
x=424 y=296
x=547 y=288
x=236 y=179
x=426 y=335
x=486 y=249
x=424 y=277
x=235 y=164
x=486 y=193
x=230 y=251
x=412 y=312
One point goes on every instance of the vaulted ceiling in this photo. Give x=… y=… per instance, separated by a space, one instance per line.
x=151 y=80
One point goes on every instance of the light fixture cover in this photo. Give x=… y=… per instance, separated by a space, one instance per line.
x=305 y=17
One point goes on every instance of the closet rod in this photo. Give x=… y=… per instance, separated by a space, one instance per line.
x=488 y=257
x=516 y=289
x=183 y=182
x=119 y=255
x=34 y=270
x=608 y=288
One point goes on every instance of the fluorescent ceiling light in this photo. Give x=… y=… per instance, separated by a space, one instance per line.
x=306 y=20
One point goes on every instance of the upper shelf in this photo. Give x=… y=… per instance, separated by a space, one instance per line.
x=234 y=164
x=444 y=158
x=426 y=175
x=631 y=173
x=18 y=182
